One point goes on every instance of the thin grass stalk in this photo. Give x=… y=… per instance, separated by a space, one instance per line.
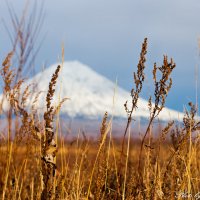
x=7 y=171
x=78 y=192
x=126 y=166
x=111 y=143
x=18 y=178
x=32 y=189
x=96 y=159
x=189 y=161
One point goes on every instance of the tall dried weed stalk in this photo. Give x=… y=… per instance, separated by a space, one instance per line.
x=49 y=146
x=162 y=88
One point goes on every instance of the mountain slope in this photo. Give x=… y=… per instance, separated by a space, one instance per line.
x=90 y=93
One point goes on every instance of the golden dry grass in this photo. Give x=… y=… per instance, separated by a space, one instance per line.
x=35 y=165
x=164 y=177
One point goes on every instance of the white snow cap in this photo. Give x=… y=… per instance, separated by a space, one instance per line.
x=90 y=93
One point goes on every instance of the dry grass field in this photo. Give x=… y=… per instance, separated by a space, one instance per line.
x=38 y=162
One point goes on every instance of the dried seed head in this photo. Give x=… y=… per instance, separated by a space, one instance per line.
x=162 y=86
x=104 y=125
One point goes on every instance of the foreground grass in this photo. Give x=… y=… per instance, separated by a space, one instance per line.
x=164 y=177
x=37 y=162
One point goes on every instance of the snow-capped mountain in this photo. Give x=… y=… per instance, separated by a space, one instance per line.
x=90 y=93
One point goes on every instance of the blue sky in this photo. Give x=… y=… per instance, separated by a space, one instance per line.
x=107 y=36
